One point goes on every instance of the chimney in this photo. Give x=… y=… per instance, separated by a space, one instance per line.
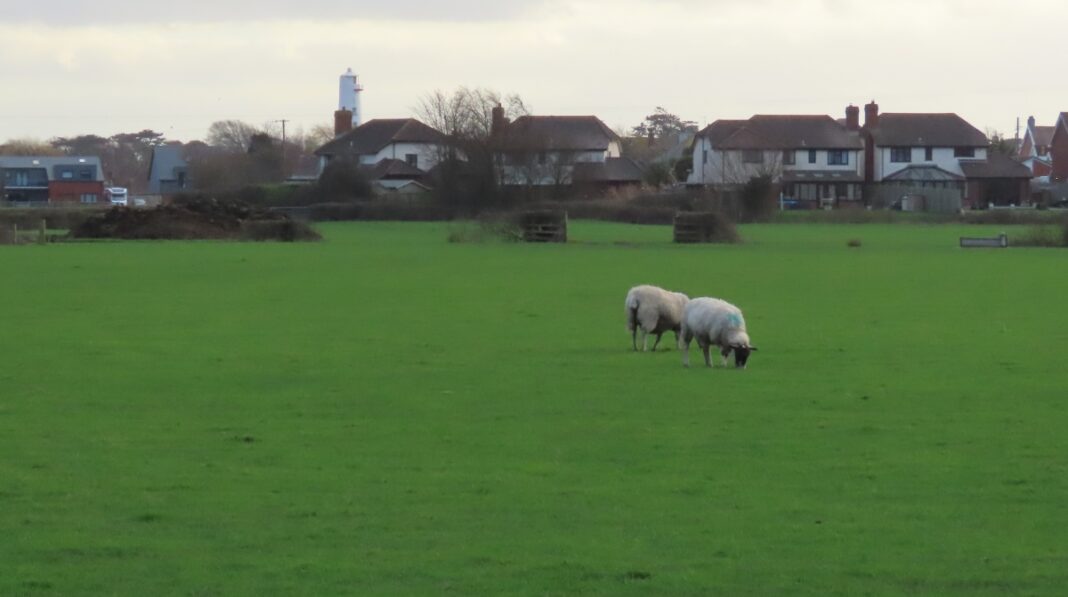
x=1031 y=123
x=499 y=121
x=871 y=115
x=853 y=118
x=342 y=122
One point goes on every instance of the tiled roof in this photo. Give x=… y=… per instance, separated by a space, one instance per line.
x=782 y=132
x=373 y=135
x=610 y=170
x=995 y=166
x=926 y=130
x=390 y=168
x=1043 y=135
x=558 y=133
x=827 y=176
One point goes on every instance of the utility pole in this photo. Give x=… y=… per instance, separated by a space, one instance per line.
x=283 y=121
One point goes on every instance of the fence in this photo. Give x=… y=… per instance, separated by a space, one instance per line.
x=916 y=198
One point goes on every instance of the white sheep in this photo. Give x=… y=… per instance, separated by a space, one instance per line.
x=653 y=310
x=715 y=322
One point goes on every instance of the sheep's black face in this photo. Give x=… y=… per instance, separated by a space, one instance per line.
x=741 y=356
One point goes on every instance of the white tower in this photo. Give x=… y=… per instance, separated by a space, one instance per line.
x=349 y=97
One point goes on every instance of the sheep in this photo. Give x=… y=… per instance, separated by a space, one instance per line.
x=653 y=310
x=715 y=322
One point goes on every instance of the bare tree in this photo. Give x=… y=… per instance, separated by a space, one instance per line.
x=231 y=135
x=27 y=146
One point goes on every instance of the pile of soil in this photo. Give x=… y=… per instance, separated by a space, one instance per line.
x=195 y=217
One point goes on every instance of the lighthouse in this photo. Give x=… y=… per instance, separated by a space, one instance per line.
x=349 y=96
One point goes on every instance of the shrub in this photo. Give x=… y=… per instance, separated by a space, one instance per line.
x=853 y=243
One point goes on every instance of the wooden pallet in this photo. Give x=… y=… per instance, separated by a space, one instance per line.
x=544 y=226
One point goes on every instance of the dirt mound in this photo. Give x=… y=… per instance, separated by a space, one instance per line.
x=195 y=217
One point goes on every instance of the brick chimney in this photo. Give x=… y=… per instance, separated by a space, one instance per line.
x=871 y=115
x=853 y=118
x=342 y=122
x=499 y=121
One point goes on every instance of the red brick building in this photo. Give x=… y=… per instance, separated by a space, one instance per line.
x=1059 y=149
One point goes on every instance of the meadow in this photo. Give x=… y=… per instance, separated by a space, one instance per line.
x=386 y=413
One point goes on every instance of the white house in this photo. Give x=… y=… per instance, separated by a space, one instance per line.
x=559 y=150
x=404 y=139
x=816 y=158
x=940 y=150
x=1035 y=148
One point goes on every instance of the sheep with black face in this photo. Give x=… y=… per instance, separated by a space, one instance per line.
x=653 y=310
x=715 y=322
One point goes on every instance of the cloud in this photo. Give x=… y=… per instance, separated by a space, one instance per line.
x=80 y=12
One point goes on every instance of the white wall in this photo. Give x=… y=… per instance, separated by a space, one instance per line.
x=942 y=157
x=728 y=167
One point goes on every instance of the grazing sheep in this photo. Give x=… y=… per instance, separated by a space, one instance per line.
x=715 y=322
x=653 y=310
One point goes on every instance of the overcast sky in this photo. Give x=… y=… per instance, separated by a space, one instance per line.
x=71 y=67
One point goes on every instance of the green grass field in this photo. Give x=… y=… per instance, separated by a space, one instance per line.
x=385 y=413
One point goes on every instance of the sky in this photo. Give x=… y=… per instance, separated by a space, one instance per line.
x=73 y=67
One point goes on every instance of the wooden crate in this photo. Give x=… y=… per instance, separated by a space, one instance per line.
x=544 y=226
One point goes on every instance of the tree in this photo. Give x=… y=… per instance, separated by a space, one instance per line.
x=28 y=146
x=658 y=174
x=469 y=173
x=999 y=143
x=231 y=135
x=661 y=124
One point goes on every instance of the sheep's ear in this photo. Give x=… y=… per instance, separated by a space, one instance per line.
x=753 y=348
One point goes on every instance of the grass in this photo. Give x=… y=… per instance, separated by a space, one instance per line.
x=386 y=413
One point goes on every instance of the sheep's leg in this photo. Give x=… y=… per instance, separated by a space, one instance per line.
x=634 y=337
x=725 y=352
x=684 y=346
x=645 y=340
x=657 y=343
x=704 y=350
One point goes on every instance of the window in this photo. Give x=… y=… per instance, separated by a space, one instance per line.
x=901 y=154
x=964 y=152
x=412 y=159
x=812 y=156
x=753 y=156
x=89 y=198
x=66 y=175
x=789 y=157
x=928 y=154
x=704 y=156
x=838 y=157
x=542 y=158
x=841 y=190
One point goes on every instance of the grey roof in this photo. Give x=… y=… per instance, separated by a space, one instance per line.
x=165 y=160
x=392 y=169
x=558 y=133
x=611 y=170
x=783 y=132
x=921 y=173
x=373 y=135
x=995 y=166
x=50 y=162
x=926 y=130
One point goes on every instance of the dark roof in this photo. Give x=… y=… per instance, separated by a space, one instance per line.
x=392 y=169
x=921 y=173
x=1043 y=135
x=996 y=165
x=783 y=132
x=821 y=176
x=720 y=130
x=558 y=133
x=371 y=136
x=610 y=170
x=927 y=130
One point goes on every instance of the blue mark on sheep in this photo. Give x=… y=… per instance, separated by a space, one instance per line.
x=735 y=320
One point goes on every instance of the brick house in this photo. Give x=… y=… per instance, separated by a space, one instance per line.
x=40 y=179
x=1058 y=147
x=1035 y=146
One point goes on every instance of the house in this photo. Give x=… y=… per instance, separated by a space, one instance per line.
x=38 y=179
x=939 y=151
x=816 y=158
x=1058 y=147
x=1034 y=148
x=168 y=172
x=541 y=151
x=405 y=139
x=396 y=177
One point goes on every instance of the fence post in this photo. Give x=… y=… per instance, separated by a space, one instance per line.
x=41 y=236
